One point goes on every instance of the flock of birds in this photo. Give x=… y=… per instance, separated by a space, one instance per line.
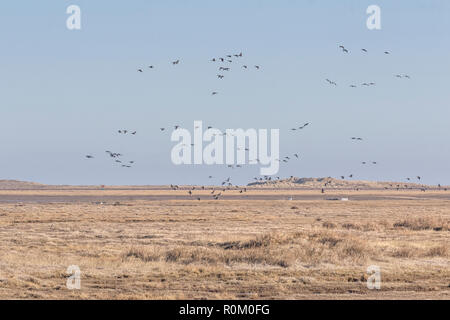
x=116 y=156
x=216 y=192
x=225 y=62
x=364 y=84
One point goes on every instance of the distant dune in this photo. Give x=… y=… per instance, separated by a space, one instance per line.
x=290 y=183
x=332 y=183
x=19 y=185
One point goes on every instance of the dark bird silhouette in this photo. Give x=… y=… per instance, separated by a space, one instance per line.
x=343 y=49
x=304 y=126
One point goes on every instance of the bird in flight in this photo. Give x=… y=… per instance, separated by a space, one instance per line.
x=342 y=47
x=176 y=62
x=140 y=70
x=89 y=156
x=214 y=93
x=304 y=126
x=364 y=50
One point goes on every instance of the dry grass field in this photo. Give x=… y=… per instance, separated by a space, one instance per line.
x=163 y=244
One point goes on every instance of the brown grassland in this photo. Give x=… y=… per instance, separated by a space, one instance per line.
x=239 y=247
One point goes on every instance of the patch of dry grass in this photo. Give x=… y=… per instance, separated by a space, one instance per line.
x=424 y=223
x=227 y=249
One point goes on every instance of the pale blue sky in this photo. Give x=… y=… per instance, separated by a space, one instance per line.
x=65 y=93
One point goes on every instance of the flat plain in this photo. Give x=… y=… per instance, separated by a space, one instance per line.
x=158 y=243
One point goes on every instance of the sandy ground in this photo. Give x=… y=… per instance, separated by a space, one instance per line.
x=165 y=244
